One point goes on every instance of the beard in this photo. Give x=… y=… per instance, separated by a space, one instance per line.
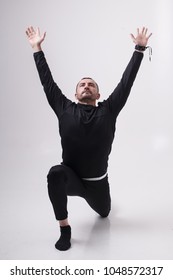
x=86 y=95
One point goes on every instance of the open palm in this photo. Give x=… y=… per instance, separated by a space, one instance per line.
x=34 y=36
x=141 y=37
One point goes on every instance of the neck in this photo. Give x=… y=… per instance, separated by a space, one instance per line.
x=93 y=103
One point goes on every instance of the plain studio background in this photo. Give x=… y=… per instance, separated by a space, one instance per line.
x=87 y=38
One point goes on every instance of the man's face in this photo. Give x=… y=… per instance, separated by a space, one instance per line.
x=87 y=92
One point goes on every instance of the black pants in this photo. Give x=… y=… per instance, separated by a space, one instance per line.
x=62 y=181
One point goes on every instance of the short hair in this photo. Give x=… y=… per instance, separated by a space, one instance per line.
x=87 y=78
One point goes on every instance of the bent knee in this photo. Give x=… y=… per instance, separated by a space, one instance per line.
x=105 y=214
x=56 y=173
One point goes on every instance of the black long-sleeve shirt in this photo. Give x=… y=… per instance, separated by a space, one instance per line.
x=87 y=131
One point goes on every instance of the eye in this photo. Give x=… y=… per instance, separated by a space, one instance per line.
x=91 y=84
x=82 y=85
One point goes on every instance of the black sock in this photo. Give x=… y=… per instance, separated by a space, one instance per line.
x=63 y=243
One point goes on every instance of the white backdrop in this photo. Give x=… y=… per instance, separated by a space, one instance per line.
x=84 y=38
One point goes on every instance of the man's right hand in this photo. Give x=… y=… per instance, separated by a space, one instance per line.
x=35 y=38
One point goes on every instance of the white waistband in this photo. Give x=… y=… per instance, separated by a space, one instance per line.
x=96 y=178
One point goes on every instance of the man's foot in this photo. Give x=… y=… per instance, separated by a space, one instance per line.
x=64 y=243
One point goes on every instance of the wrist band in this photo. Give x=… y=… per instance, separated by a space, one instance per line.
x=143 y=48
x=140 y=48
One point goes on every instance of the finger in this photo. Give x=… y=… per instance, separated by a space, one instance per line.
x=28 y=32
x=145 y=31
x=138 y=31
x=149 y=36
x=32 y=29
x=132 y=36
x=44 y=35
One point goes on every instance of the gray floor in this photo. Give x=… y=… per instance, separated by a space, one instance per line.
x=140 y=225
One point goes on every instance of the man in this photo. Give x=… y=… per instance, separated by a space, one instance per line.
x=87 y=132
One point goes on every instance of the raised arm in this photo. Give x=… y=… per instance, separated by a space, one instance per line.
x=56 y=99
x=120 y=94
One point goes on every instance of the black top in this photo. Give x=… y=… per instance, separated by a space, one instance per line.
x=87 y=131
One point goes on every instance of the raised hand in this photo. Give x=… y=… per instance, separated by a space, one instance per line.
x=35 y=38
x=141 y=37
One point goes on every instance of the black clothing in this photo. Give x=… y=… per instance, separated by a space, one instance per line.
x=63 y=242
x=86 y=131
x=63 y=181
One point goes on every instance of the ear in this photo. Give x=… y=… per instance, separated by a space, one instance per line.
x=76 y=95
x=98 y=96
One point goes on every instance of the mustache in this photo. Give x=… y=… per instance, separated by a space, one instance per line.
x=86 y=90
